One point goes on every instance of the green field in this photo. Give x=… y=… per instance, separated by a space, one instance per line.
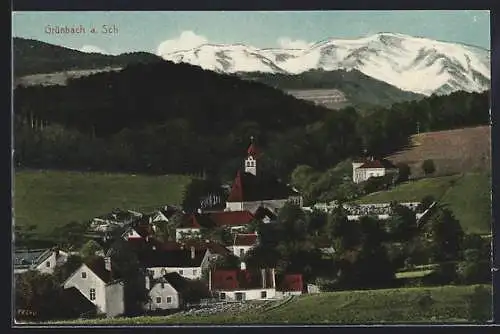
x=49 y=199
x=467 y=195
x=446 y=304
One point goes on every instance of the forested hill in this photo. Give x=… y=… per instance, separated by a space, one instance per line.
x=152 y=94
x=359 y=89
x=34 y=57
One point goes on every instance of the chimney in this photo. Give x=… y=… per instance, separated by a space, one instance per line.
x=263 y=275
x=192 y=252
x=243 y=266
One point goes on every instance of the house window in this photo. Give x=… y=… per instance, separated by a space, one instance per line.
x=222 y=295
x=47 y=264
x=92 y=294
x=242 y=252
x=194 y=272
x=169 y=300
x=158 y=300
x=181 y=272
x=162 y=285
x=84 y=274
x=263 y=294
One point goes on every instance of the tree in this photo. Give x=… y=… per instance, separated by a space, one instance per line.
x=474 y=269
x=428 y=167
x=90 y=248
x=402 y=225
x=38 y=293
x=404 y=172
x=125 y=265
x=444 y=235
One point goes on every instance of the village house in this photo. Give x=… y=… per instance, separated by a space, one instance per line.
x=242 y=284
x=165 y=292
x=289 y=285
x=188 y=263
x=242 y=243
x=42 y=260
x=362 y=170
x=253 y=188
x=95 y=281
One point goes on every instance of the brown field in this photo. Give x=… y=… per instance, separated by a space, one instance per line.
x=453 y=151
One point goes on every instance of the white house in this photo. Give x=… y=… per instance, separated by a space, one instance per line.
x=165 y=293
x=240 y=285
x=42 y=260
x=188 y=263
x=242 y=243
x=363 y=170
x=94 y=280
x=252 y=188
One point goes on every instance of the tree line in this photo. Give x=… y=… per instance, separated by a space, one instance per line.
x=177 y=118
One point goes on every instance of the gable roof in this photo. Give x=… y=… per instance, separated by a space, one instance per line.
x=196 y=220
x=231 y=218
x=213 y=247
x=27 y=258
x=77 y=302
x=175 y=258
x=241 y=239
x=249 y=188
x=97 y=265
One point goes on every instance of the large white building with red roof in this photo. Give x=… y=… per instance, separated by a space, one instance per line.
x=252 y=188
x=362 y=170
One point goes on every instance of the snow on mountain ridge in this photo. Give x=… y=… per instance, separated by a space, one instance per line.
x=415 y=64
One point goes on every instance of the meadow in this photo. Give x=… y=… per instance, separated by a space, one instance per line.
x=448 y=304
x=50 y=199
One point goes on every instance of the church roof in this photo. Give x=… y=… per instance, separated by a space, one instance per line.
x=248 y=188
x=252 y=150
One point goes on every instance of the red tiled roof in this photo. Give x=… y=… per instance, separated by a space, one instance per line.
x=377 y=164
x=190 y=221
x=231 y=218
x=236 y=194
x=245 y=239
x=291 y=282
x=213 y=247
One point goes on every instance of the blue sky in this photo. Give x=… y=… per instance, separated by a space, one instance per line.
x=171 y=31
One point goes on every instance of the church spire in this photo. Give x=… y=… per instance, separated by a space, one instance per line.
x=251 y=159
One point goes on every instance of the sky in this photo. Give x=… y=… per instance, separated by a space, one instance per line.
x=164 y=32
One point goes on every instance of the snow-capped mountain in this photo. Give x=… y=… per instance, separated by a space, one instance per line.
x=414 y=64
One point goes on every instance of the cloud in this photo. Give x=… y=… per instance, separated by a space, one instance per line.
x=186 y=41
x=92 y=49
x=288 y=43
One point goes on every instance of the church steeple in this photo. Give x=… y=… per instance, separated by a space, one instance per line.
x=251 y=159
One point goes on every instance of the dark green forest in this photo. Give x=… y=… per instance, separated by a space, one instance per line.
x=33 y=57
x=177 y=118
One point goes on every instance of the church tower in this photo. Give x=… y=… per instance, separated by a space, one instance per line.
x=251 y=159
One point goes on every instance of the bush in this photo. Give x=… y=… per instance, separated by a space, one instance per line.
x=475 y=303
x=404 y=172
x=428 y=167
x=474 y=269
x=445 y=273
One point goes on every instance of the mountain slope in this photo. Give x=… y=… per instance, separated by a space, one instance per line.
x=335 y=88
x=35 y=57
x=419 y=65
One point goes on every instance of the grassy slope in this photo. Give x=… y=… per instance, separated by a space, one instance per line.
x=453 y=151
x=468 y=196
x=470 y=201
x=356 y=307
x=49 y=199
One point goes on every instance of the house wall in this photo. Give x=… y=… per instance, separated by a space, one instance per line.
x=167 y=291
x=236 y=249
x=283 y=294
x=179 y=231
x=252 y=294
x=85 y=284
x=191 y=272
x=115 y=302
x=273 y=204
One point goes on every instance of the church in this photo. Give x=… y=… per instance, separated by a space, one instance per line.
x=253 y=188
